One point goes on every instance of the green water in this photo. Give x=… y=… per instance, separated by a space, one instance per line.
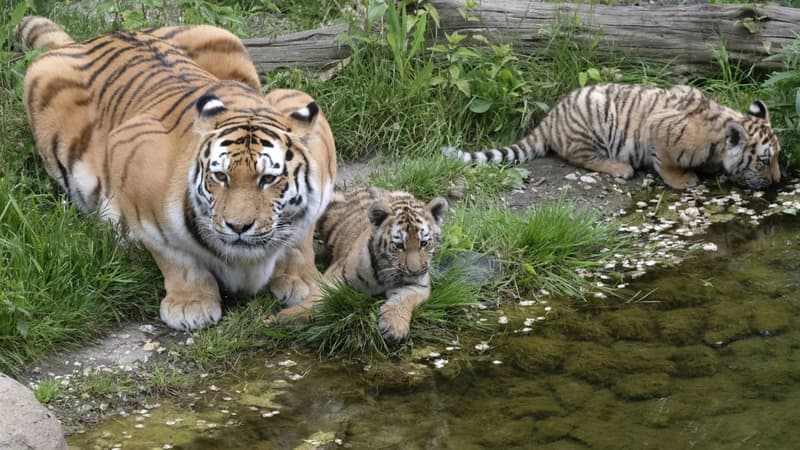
x=710 y=359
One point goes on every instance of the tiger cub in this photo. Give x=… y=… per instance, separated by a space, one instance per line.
x=616 y=128
x=382 y=242
x=166 y=132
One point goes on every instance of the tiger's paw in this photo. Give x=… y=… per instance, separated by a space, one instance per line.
x=683 y=181
x=190 y=313
x=290 y=290
x=294 y=314
x=394 y=323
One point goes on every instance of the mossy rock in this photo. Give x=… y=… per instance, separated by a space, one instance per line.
x=554 y=428
x=582 y=327
x=390 y=376
x=630 y=323
x=752 y=346
x=772 y=317
x=639 y=357
x=681 y=326
x=695 y=361
x=504 y=433
x=642 y=386
x=570 y=392
x=672 y=292
x=616 y=435
x=562 y=444
x=539 y=407
x=594 y=363
x=728 y=321
x=533 y=354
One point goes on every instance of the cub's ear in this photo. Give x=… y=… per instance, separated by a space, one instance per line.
x=208 y=107
x=377 y=213
x=735 y=137
x=758 y=109
x=438 y=208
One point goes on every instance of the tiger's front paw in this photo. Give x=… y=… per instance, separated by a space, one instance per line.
x=683 y=181
x=292 y=290
x=190 y=313
x=294 y=314
x=394 y=322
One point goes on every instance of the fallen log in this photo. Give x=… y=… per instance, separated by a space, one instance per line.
x=316 y=49
x=685 y=35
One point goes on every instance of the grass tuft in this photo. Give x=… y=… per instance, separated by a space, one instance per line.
x=47 y=390
x=346 y=321
x=544 y=248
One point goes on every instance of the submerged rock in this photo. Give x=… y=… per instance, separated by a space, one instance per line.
x=24 y=422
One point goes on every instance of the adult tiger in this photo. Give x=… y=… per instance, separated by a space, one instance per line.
x=615 y=128
x=382 y=243
x=166 y=133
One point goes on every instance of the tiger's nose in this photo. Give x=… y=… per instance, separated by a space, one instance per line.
x=239 y=227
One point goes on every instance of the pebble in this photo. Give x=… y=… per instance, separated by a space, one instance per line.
x=588 y=179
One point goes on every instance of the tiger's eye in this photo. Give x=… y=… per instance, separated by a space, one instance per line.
x=265 y=180
x=424 y=243
x=221 y=177
x=398 y=245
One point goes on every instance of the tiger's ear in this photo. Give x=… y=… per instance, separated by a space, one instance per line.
x=208 y=107
x=438 y=207
x=303 y=119
x=377 y=213
x=735 y=136
x=758 y=109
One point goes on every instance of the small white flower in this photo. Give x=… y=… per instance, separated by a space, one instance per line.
x=502 y=320
x=482 y=347
x=710 y=247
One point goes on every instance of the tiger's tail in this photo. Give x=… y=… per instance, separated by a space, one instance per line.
x=35 y=32
x=530 y=147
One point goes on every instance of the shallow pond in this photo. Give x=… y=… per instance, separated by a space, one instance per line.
x=707 y=356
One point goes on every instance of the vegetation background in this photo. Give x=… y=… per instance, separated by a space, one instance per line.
x=397 y=102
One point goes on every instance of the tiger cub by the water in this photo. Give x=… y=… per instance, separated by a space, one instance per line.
x=616 y=128
x=382 y=242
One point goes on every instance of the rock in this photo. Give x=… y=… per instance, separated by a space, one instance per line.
x=588 y=179
x=30 y=426
x=571 y=176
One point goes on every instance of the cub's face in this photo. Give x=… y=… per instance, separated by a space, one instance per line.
x=407 y=233
x=251 y=180
x=752 y=149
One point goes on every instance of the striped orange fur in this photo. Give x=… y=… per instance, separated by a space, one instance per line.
x=616 y=128
x=166 y=132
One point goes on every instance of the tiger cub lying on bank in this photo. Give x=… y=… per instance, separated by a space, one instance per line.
x=616 y=128
x=382 y=242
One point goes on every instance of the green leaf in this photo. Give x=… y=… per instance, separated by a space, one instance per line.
x=463 y=86
x=593 y=74
x=480 y=105
x=433 y=13
x=582 y=79
x=777 y=77
x=455 y=72
x=455 y=38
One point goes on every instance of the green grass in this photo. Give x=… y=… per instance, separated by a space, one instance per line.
x=346 y=321
x=430 y=176
x=64 y=278
x=544 y=247
x=47 y=390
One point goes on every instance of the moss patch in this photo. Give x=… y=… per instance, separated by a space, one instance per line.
x=630 y=323
x=532 y=353
x=642 y=386
x=695 y=361
x=681 y=326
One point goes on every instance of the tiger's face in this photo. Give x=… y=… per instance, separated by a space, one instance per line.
x=251 y=182
x=406 y=235
x=752 y=149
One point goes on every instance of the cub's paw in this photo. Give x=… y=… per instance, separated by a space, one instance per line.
x=190 y=313
x=394 y=323
x=293 y=314
x=625 y=173
x=686 y=180
x=291 y=290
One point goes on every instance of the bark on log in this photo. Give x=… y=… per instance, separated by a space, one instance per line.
x=316 y=49
x=686 y=35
